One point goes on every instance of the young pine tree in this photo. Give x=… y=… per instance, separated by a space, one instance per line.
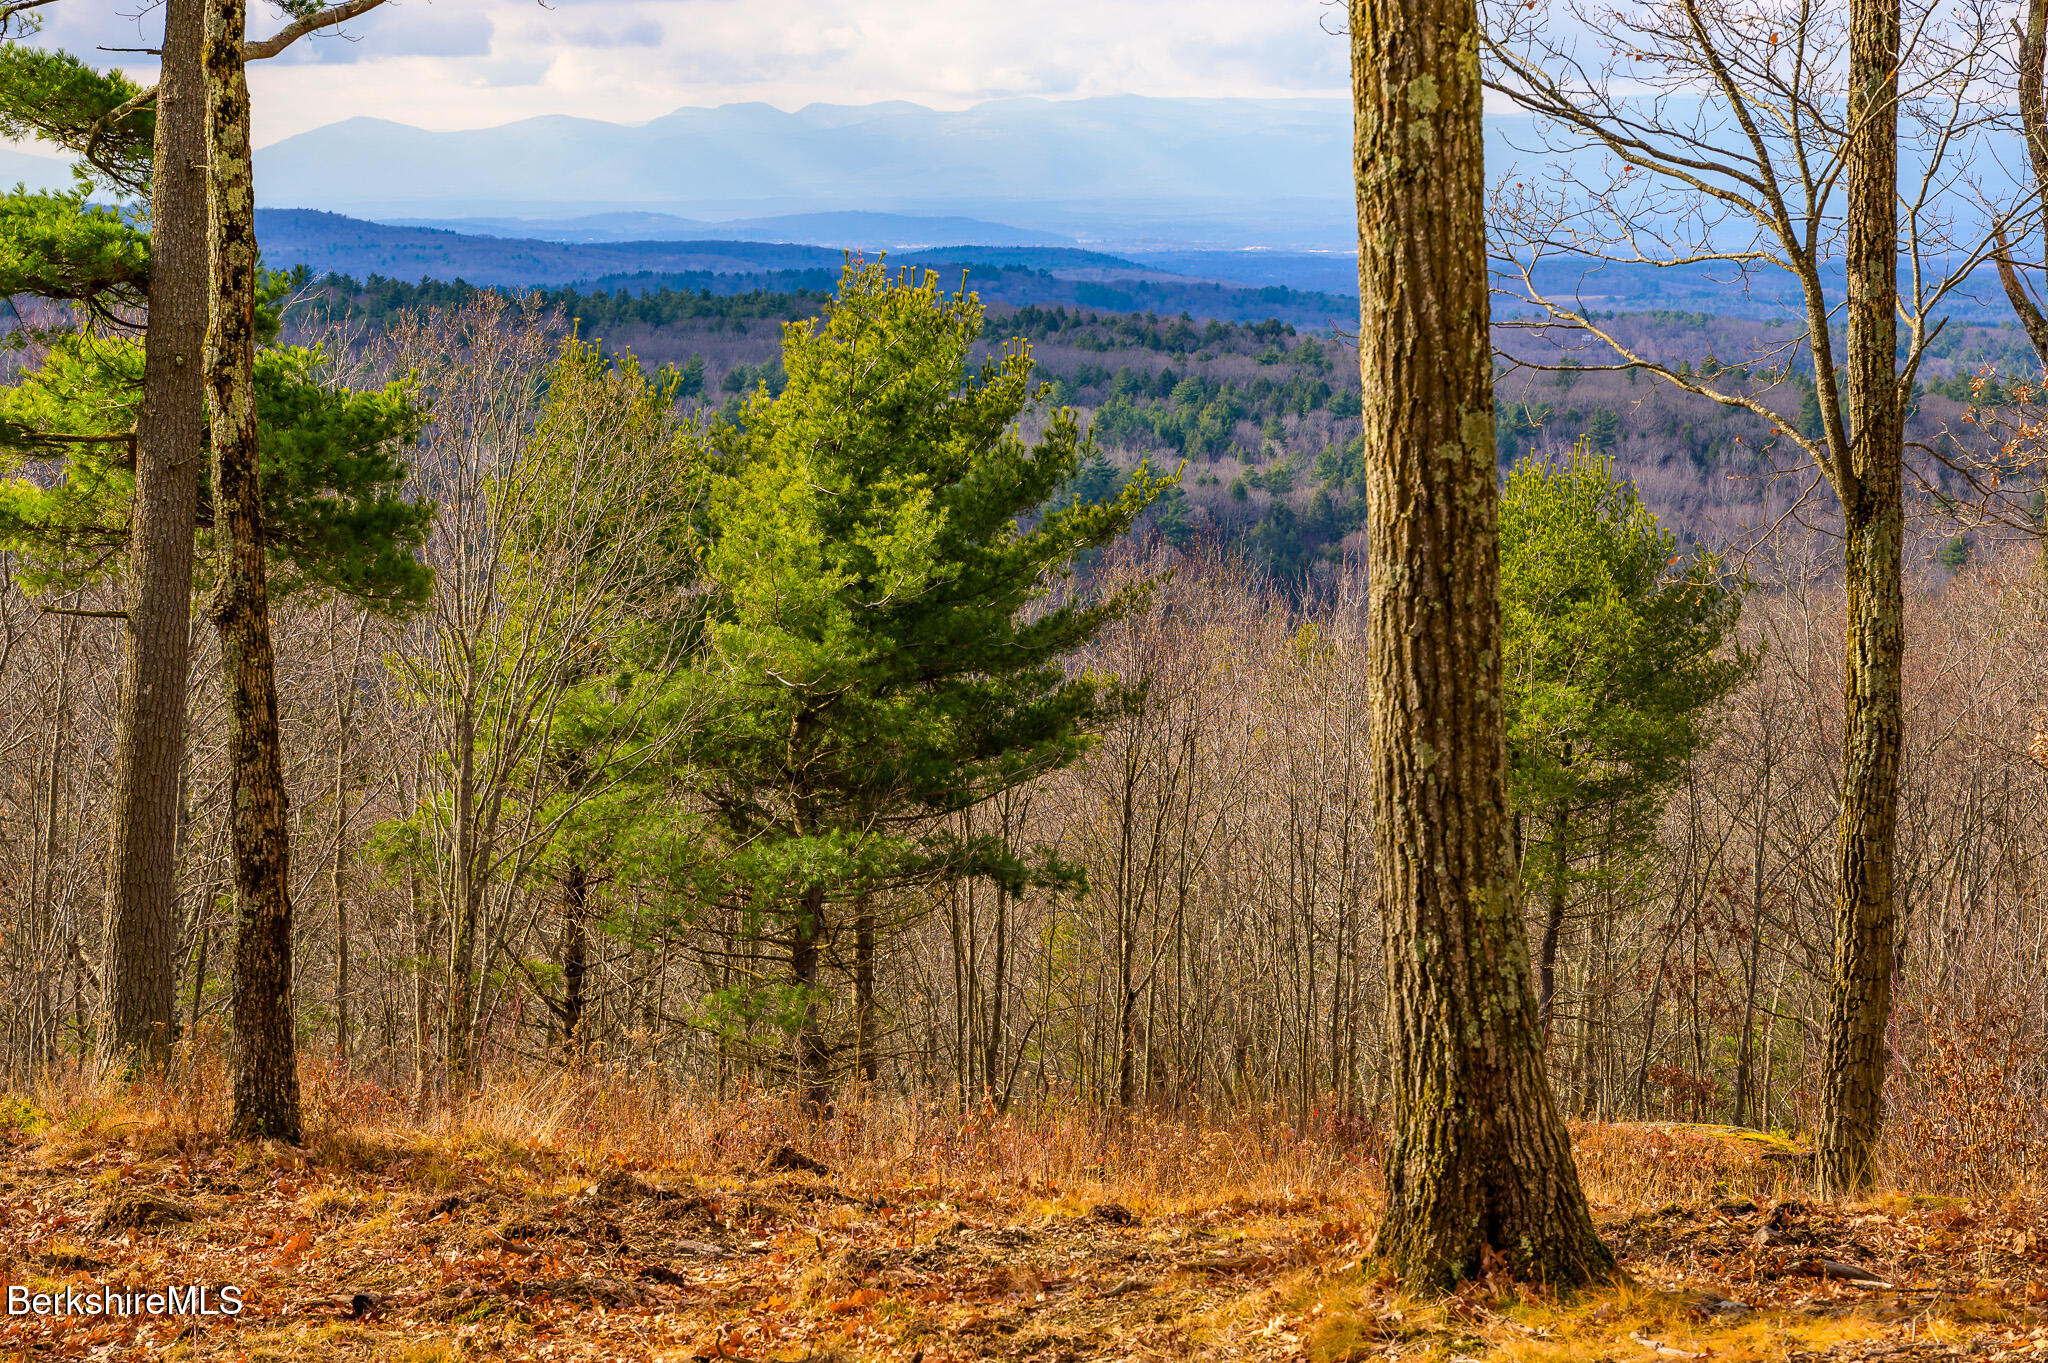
x=333 y=470
x=876 y=553
x=1614 y=653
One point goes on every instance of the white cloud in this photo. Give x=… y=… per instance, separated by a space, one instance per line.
x=636 y=33
x=409 y=30
x=474 y=63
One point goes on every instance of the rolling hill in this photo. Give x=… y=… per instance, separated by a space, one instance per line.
x=329 y=243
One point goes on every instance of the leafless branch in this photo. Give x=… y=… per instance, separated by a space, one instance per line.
x=312 y=23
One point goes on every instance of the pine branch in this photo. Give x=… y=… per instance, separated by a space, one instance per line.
x=107 y=121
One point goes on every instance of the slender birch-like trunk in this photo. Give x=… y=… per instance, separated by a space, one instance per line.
x=1873 y=524
x=266 y=1102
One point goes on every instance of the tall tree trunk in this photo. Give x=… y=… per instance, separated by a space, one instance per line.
x=460 y=1007
x=963 y=1059
x=1745 y=1059
x=266 y=1070
x=1127 y=1048
x=1873 y=523
x=864 y=987
x=466 y=908
x=170 y=446
x=338 y=883
x=575 y=950
x=47 y=854
x=338 y=872
x=199 y=967
x=1553 y=915
x=425 y=930
x=1479 y=1159
x=999 y=985
x=813 y=1060
x=2031 y=59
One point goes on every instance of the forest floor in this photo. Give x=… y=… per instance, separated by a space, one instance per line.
x=444 y=1243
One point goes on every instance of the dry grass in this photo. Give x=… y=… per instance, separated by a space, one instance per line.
x=1647 y=1164
x=1049 y=1234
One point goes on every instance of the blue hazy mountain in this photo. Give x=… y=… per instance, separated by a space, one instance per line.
x=1120 y=172
x=1200 y=171
x=851 y=230
x=326 y=242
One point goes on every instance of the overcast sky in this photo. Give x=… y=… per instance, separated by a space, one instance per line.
x=475 y=63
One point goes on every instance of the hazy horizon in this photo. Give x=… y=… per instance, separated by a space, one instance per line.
x=485 y=63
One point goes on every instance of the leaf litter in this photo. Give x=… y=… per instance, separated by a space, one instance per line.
x=427 y=1254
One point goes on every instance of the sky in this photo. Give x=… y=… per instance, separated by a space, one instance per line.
x=478 y=63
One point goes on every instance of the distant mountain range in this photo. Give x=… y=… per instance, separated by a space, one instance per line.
x=1250 y=194
x=1122 y=169
x=1120 y=172
x=325 y=242
x=852 y=230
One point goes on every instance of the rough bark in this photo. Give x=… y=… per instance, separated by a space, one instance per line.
x=864 y=988
x=170 y=446
x=1553 y=915
x=813 y=1057
x=266 y=1102
x=1873 y=523
x=2031 y=61
x=575 y=951
x=1479 y=1164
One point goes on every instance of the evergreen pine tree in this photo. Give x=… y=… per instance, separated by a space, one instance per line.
x=875 y=541
x=1614 y=646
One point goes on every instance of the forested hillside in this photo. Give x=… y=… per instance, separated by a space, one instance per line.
x=1189 y=934
x=391 y=257
x=733 y=801
x=1266 y=413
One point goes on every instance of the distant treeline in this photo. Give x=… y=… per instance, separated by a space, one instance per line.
x=1088 y=329
x=710 y=297
x=378 y=298
x=658 y=298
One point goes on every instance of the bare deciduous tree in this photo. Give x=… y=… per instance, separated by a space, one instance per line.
x=1735 y=138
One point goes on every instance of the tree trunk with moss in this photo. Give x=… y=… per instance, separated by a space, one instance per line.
x=1873 y=523
x=266 y=1102
x=1479 y=1167
x=142 y=870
